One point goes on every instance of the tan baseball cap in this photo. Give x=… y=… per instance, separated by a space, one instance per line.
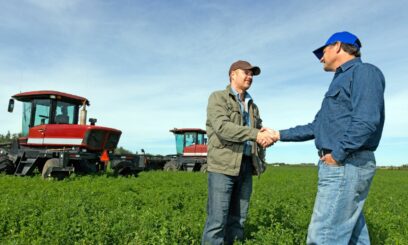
x=244 y=65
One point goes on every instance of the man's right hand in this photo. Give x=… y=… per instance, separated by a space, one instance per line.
x=266 y=137
x=275 y=133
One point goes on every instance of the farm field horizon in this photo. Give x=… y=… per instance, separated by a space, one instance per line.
x=158 y=207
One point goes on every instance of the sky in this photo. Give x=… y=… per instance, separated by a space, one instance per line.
x=148 y=66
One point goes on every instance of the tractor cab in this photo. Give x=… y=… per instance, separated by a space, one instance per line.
x=52 y=118
x=190 y=141
x=57 y=141
x=48 y=107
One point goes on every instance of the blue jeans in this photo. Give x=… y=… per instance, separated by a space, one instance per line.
x=227 y=205
x=342 y=190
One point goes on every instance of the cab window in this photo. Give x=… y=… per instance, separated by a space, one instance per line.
x=41 y=111
x=200 y=139
x=26 y=118
x=64 y=113
x=190 y=139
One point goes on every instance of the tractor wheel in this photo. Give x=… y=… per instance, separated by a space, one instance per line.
x=3 y=152
x=170 y=166
x=46 y=171
x=6 y=165
x=203 y=168
x=123 y=168
x=88 y=167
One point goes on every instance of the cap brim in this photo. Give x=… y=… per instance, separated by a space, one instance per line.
x=319 y=52
x=255 y=70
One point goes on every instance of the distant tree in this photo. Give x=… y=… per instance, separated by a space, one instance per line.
x=121 y=150
x=278 y=163
x=4 y=139
x=307 y=164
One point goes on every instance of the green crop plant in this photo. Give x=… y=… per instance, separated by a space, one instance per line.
x=169 y=208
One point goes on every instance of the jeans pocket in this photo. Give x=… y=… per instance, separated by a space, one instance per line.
x=331 y=180
x=330 y=171
x=336 y=165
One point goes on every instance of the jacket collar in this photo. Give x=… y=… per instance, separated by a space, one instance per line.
x=232 y=92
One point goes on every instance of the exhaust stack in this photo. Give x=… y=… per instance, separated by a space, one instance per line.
x=82 y=114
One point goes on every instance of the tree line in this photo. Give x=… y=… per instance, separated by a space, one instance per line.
x=7 y=138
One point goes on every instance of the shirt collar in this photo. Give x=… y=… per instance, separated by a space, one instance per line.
x=349 y=64
x=247 y=96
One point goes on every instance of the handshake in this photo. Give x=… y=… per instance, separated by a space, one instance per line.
x=267 y=137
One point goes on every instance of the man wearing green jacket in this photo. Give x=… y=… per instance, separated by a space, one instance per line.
x=233 y=129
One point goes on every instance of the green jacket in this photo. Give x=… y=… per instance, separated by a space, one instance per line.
x=226 y=134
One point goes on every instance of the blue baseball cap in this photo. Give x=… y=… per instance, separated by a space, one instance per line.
x=344 y=37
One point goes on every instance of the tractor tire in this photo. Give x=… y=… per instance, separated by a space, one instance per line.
x=203 y=168
x=88 y=167
x=170 y=166
x=124 y=168
x=6 y=165
x=3 y=152
x=46 y=171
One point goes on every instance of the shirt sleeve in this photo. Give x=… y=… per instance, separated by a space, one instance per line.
x=367 y=101
x=299 y=133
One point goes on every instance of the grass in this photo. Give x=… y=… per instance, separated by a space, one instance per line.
x=169 y=208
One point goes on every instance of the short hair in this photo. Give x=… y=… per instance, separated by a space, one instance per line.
x=351 y=49
x=231 y=74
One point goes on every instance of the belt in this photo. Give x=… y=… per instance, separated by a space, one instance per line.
x=323 y=152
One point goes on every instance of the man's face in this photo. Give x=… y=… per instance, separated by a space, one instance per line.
x=329 y=57
x=241 y=79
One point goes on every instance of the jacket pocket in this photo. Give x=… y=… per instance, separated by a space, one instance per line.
x=235 y=115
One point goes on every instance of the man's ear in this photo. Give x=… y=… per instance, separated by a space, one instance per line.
x=338 y=47
x=233 y=74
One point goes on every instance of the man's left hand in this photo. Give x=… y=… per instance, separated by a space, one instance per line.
x=328 y=159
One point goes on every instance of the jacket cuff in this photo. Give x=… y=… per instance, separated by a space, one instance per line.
x=254 y=134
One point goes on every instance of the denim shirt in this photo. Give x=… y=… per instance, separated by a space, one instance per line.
x=245 y=117
x=351 y=117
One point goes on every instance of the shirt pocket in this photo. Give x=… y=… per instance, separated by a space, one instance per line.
x=339 y=95
x=332 y=94
x=335 y=102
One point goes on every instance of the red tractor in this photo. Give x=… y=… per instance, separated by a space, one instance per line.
x=191 y=148
x=56 y=140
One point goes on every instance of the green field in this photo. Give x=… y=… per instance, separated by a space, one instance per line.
x=169 y=208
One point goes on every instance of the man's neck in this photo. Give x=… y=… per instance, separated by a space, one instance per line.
x=240 y=92
x=344 y=59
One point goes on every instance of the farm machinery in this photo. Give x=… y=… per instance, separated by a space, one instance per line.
x=56 y=140
x=191 y=150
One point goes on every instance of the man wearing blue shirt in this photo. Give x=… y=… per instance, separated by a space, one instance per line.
x=347 y=130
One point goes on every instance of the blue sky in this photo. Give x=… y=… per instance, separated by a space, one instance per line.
x=149 y=66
